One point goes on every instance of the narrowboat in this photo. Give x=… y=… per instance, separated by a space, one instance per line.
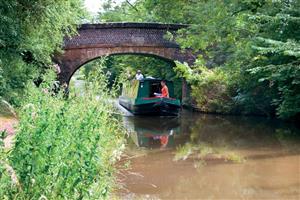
x=139 y=97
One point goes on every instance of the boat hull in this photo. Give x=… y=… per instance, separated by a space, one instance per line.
x=153 y=106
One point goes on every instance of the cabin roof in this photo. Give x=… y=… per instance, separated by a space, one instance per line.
x=154 y=79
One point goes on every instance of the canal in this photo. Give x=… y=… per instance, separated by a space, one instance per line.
x=199 y=156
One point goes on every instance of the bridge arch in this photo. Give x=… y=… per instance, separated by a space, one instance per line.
x=98 y=40
x=86 y=60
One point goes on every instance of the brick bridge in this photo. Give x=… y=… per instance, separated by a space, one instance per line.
x=97 y=40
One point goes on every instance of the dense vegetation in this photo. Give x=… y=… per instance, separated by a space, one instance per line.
x=31 y=32
x=64 y=148
x=250 y=50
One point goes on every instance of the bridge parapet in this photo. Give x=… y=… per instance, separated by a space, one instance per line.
x=123 y=34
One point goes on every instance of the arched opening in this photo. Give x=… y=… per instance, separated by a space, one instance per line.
x=116 y=64
x=90 y=59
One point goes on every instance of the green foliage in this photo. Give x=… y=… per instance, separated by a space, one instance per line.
x=31 y=32
x=210 y=87
x=177 y=11
x=14 y=74
x=65 y=149
x=136 y=12
x=274 y=60
x=6 y=184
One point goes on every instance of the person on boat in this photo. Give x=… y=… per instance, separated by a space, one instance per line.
x=139 y=76
x=164 y=89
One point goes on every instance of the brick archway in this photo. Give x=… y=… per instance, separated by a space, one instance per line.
x=97 y=40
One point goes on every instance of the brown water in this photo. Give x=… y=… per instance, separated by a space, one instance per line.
x=198 y=156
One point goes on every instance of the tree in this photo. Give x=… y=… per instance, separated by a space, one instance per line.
x=31 y=32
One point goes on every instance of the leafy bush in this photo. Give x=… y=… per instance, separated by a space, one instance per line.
x=281 y=73
x=210 y=87
x=65 y=149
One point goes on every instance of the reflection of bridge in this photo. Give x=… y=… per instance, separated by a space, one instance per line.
x=96 y=40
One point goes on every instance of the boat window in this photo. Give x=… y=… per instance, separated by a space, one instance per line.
x=154 y=88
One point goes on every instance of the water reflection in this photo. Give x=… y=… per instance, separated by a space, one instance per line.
x=211 y=156
x=149 y=132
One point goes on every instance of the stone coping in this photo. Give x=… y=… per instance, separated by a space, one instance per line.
x=132 y=25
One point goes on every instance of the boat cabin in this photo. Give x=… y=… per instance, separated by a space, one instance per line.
x=146 y=88
x=141 y=98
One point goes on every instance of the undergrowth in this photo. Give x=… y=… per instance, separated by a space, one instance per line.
x=65 y=148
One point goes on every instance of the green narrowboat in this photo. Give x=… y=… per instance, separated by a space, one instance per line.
x=139 y=98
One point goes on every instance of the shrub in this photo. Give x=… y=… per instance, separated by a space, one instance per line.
x=65 y=149
x=210 y=87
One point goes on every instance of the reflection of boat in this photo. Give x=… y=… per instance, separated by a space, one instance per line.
x=153 y=140
x=138 y=97
x=152 y=132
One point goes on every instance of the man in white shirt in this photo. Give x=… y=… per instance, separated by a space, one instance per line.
x=139 y=76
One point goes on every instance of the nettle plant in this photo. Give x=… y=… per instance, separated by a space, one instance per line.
x=65 y=148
